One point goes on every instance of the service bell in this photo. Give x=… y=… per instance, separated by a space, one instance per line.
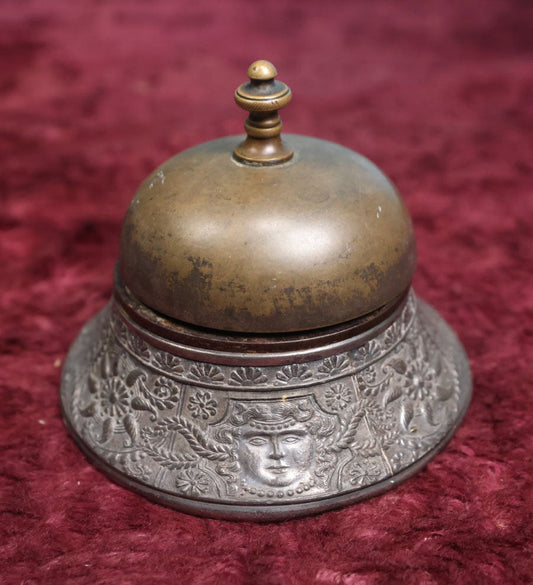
x=263 y=356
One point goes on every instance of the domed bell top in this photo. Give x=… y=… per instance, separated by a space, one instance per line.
x=269 y=235
x=263 y=356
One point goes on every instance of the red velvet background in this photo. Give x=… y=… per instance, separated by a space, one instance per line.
x=94 y=95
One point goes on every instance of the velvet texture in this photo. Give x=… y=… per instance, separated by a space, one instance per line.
x=94 y=95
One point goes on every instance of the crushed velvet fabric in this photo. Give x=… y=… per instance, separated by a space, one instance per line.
x=94 y=95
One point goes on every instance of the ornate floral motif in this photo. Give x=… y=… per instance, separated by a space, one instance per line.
x=202 y=405
x=247 y=377
x=402 y=459
x=152 y=395
x=133 y=463
x=191 y=429
x=419 y=380
x=338 y=396
x=206 y=373
x=168 y=362
x=293 y=374
x=165 y=393
x=369 y=375
x=366 y=473
x=192 y=482
x=366 y=380
x=333 y=366
x=114 y=398
x=391 y=334
x=138 y=345
x=368 y=351
x=111 y=399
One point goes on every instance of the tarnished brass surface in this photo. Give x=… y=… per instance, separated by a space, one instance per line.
x=225 y=347
x=323 y=239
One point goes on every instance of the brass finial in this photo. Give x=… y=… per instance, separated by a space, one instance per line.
x=263 y=96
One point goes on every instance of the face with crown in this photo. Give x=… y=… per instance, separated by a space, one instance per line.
x=278 y=458
x=275 y=448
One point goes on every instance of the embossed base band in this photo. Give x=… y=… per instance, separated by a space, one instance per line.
x=265 y=442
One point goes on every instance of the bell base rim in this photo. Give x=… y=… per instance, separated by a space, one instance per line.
x=262 y=513
x=243 y=348
x=400 y=404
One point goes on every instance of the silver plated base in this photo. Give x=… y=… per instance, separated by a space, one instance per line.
x=265 y=442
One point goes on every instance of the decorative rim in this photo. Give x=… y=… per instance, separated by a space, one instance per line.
x=206 y=438
x=318 y=342
x=334 y=360
x=261 y=513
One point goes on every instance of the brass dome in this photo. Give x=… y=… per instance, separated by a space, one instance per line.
x=215 y=240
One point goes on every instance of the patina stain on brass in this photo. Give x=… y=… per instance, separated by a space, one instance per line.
x=263 y=356
x=268 y=249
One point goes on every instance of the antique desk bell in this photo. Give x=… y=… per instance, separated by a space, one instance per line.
x=263 y=356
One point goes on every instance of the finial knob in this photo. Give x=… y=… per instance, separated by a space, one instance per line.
x=263 y=96
x=262 y=70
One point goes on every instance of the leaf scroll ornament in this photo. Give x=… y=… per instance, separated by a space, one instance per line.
x=398 y=365
x=170 y=460
x=139 y=403
x=406 y=415
x=132 y=428
x=347 y=436
x=162 y=395
x=444 y=391
x=391 y=395
x=107 y=429
x=427 y=411
x=93 y=383
x=196 y=438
